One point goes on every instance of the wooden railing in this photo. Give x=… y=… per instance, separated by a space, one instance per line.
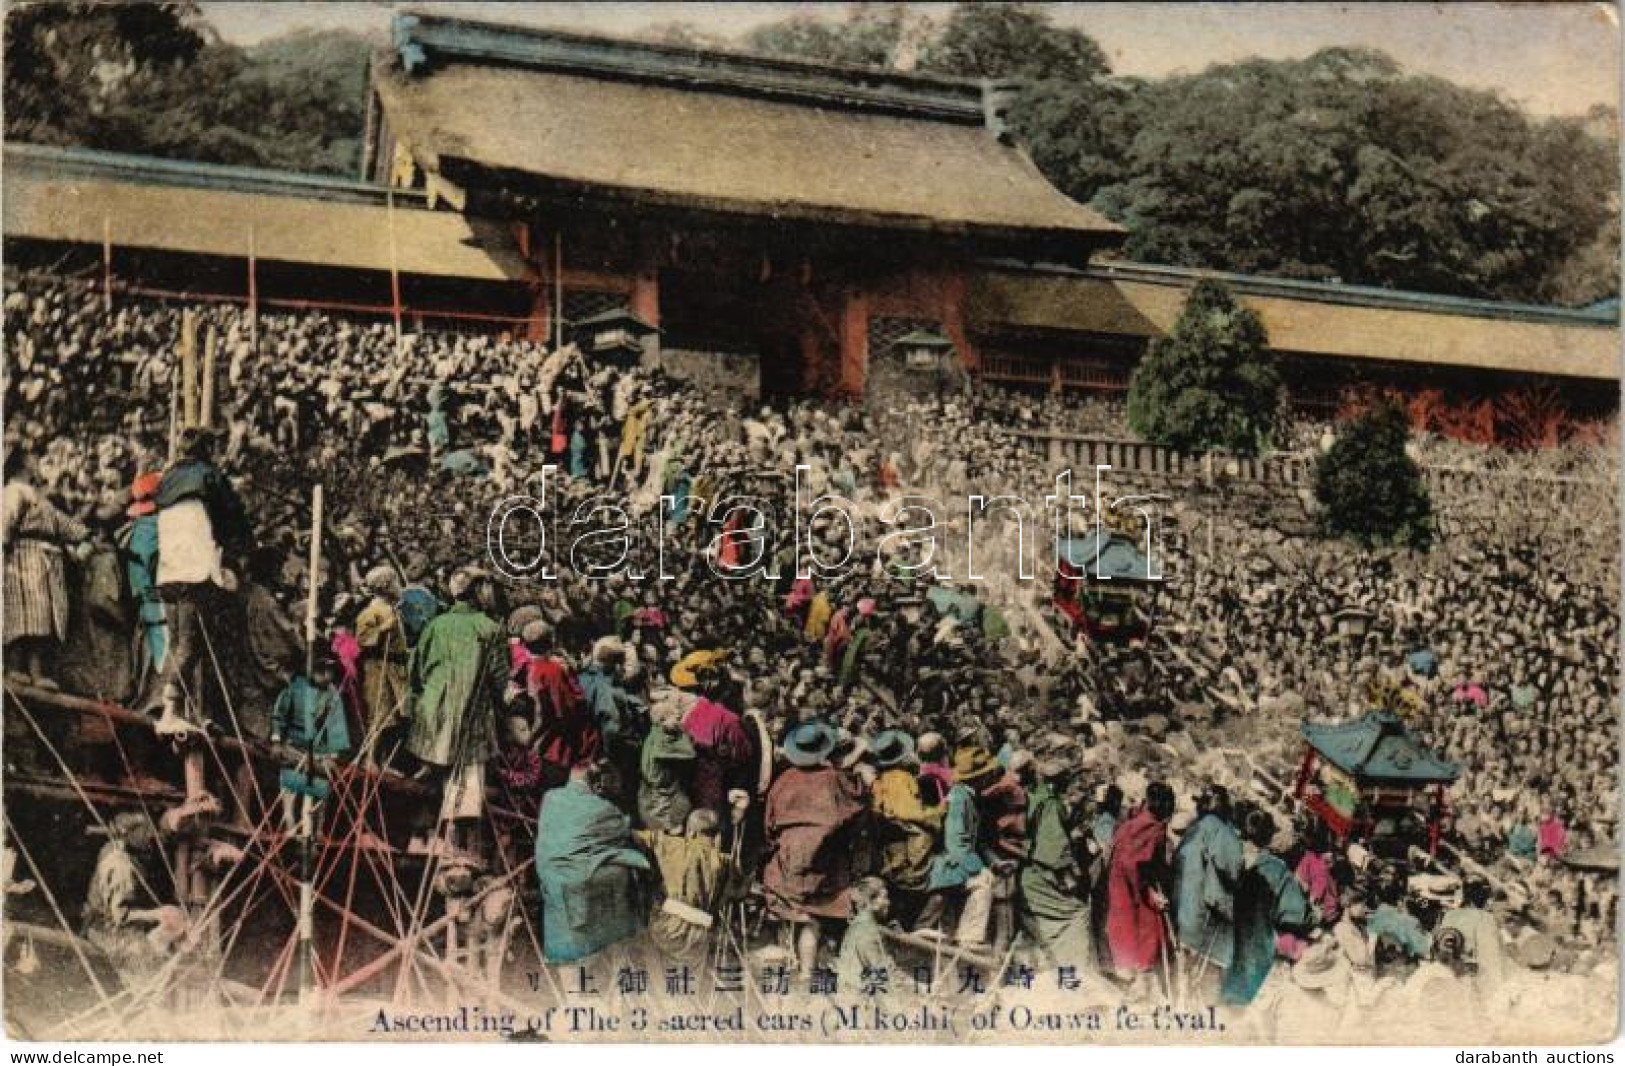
x=1138 y=457
x=1294 y=468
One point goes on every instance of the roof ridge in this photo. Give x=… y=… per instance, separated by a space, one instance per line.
x=421 y=38
x=156 y=170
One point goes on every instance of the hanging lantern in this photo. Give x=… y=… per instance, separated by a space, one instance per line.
x=924 y=350
x=617 y=333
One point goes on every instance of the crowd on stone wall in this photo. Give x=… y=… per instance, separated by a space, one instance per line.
x=882 y=749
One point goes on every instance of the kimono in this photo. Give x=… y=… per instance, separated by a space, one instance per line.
x=1269 y=901
x=97 y=655
x=116 y=888
x=416 y=609
x=854 y=654
x=1135 y=932
x=457 y=674
x=1551 y=838
x=270 y=650
x=818 y=613
x=836 y=636
x=613 y=709
x=936 y=781
x=36 y=584
x=695 y=879
x=809 y=820
x=1521 y=842
x=960 y=860
x=589 y=874
x=662 y=802
x=520 y=778
x=907 y=829
x=580 y=451
x=722 y=753
x=1054 y=916
x=382 y=639
x=635 y=434
x=140 y=547
x=200 y=517
x=311 y=720
x=1207 y=867
x=568 y=735
x=864 y=955
x=1315 y=874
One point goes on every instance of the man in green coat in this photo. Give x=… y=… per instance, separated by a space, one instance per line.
x=458 y=670
x=1050 y=885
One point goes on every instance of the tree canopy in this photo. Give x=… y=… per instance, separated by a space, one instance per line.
x=153 y=79
x=1338 y=166
x=1211 y=383
x=1371 y=490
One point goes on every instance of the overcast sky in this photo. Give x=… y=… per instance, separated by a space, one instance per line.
x=1555 y=58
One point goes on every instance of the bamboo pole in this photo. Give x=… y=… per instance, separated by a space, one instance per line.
x=189 y=375
x=107 y=264
x=211 y=342
x=174 y=415
x=394 y=266
x=558 y=289
x=315 y=577
x=253 y=294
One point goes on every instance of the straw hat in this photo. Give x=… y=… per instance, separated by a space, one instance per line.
x=809 y=744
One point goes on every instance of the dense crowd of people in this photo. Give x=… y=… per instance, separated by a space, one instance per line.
x=875 y=762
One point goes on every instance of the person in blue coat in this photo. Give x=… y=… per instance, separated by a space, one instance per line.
x=309 y=731
x=592 y=877
x=1207 y=868
x=1269 y=901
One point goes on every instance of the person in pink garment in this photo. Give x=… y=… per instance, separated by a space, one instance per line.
x=936 y=779
x=1551 y=836
x=723 y=753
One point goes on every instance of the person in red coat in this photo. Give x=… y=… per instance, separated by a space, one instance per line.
x=1137 y=886
x=565 y=734
x=811 y=813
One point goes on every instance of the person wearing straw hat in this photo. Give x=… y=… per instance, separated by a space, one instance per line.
x=811 y=813
x=906 y=827
x=962 y=872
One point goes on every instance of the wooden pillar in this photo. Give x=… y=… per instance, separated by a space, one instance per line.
x=854 y=331
x=539 y=322
x=952 y=287
x=645 y=298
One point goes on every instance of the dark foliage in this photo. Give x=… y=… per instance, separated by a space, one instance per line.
x=1211 y=383
x=1371 y=490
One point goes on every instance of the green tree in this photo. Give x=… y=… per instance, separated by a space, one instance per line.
x=1372 y=491
x=1012 y=40
x=871 y=35
x=1341 y=167
x=151 y=79
x=70 y=66
x=1211 y=383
